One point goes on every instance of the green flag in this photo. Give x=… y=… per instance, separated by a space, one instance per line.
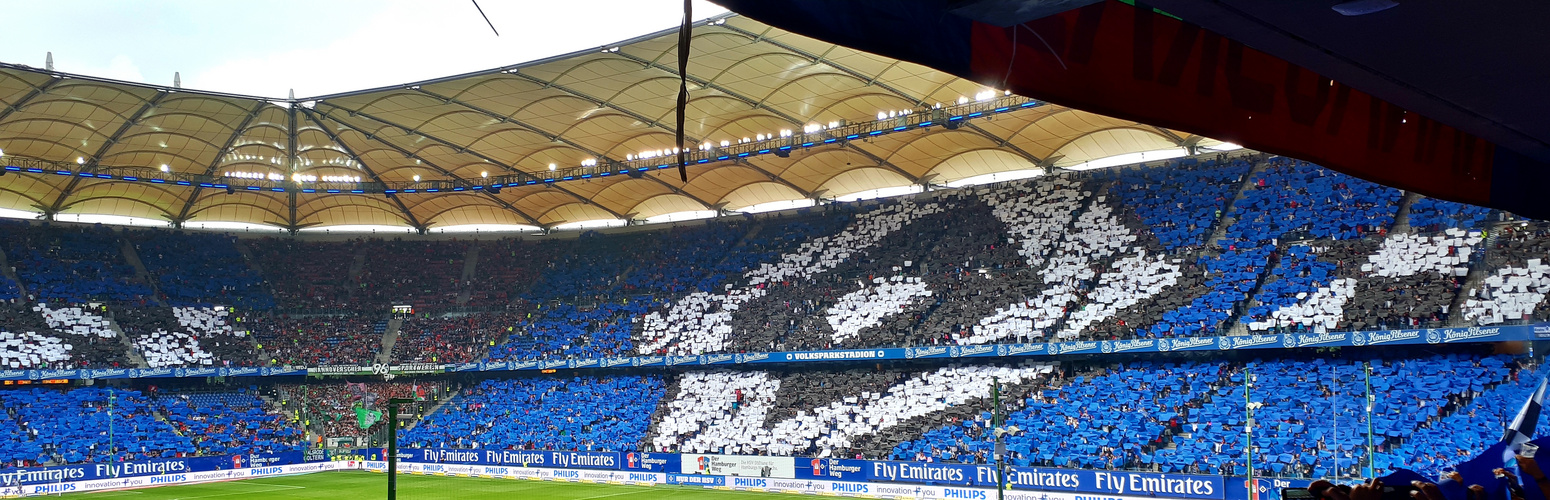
x=366 y=417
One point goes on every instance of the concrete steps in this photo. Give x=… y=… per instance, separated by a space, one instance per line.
x=1099 y=190
x=1236 y=327
x=5 y=270
x=1229 y=216
x=470 y=266
x=352 y=281
x=1402 y=216
x=741 y=242
x=389 y=337
x=252 y=262
x=247 y=256
x=129 y=345
x=133 y=258
x=357 y=266
x=456 y=397
x=1477 y=274
x=1239 y=327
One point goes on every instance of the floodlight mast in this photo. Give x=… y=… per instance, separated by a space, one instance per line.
x=392 y=447
x=998 y=424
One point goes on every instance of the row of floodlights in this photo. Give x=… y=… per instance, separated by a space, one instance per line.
x=950 y=122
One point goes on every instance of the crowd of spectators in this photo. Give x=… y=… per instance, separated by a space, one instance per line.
x=702 y=322
x=200 y=270
x=726 y=411
x=75 y=264
x=417 y=273
x=317 y=340
x=1313 y=414
x=971 y=272
x=1110 y=255
x=1191 y=247
x=1304 y=248
x=230 y=422
x=1308 y=286
x=1096 y=266
x=36 y=337
x=588 y=268
x=1296 y=200
x=329 y=409
x=1429 y=214
x=1285 y=200
x=1313 y=419
x=563 y=331
x=186 y=337
x=927 y=283
x=308 y=275
x=555 y=413
x=1413 y=280
x=10 y=292
x=1106 y=419
x=1517 y=277
x=1461 y=427
x=507 y=267
x=705 y=257
x=685 y=259
x=50 y=426
x=1180 y=201
x=451 y=339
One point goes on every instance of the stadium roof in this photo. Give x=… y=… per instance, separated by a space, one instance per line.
x=607 y=105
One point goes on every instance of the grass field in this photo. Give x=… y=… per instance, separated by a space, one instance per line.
x=369 y=486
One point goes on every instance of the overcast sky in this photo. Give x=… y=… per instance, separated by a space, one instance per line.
x=265 y=48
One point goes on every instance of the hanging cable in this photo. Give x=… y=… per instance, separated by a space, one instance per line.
x=683 y=89
x=486 y=18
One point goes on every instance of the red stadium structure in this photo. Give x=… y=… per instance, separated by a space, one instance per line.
x=1381 y=96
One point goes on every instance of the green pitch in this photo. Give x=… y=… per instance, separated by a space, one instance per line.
x=370 y=486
